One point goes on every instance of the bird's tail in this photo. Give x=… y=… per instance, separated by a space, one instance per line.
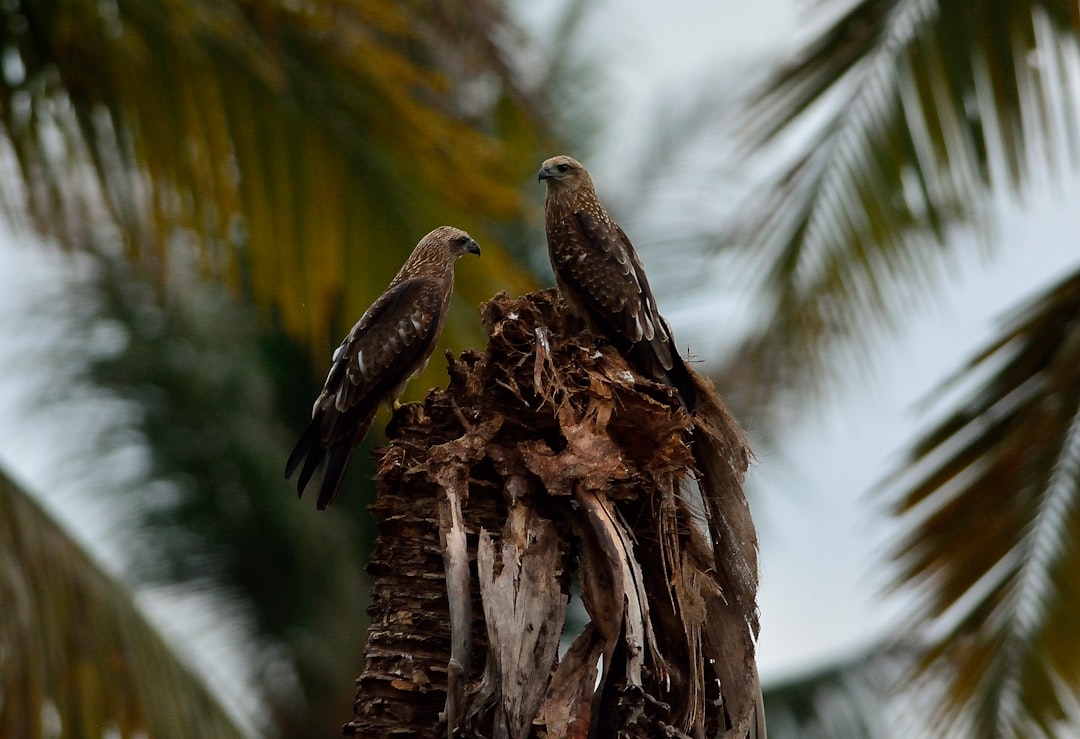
x=661 y=351
x=310 y=450
x=337 y=462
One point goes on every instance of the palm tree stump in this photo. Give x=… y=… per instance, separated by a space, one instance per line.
x=547 y=456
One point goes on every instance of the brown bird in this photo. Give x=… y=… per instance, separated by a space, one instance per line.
x=389 y=345
x=602 y=278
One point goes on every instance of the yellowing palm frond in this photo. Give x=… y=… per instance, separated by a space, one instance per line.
x=301 y=148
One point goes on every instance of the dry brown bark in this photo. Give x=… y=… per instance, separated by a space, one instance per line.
x=547 y=455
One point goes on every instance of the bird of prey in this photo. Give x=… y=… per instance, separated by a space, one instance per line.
x=602 y=279
x=390 y=344
x=601 y=276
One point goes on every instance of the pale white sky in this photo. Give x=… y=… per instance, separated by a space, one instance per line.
x=820 y=536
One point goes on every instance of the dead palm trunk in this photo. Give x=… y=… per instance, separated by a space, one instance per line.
x=547 y=455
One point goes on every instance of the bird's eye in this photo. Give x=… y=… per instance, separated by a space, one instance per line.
x=461 y=239
x=563 y=167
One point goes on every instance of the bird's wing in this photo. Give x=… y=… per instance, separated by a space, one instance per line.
x=605 y=275
x=387 y=346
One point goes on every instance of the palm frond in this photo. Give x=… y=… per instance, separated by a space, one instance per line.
x=898 y=122
x=847 y=698
x=78 y=659
x=991 y=500
x=197 y=389
x=303 y=148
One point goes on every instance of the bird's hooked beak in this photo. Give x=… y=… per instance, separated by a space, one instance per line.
x=472 y=247
x=545 y=173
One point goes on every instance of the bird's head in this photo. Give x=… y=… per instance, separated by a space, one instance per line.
x=453 y=240
x=461 y=243
x=441 y=247
x=562 y=172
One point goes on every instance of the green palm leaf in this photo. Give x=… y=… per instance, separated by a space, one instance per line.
x=76 y=656
x=299 y=148
x=913 y=115
x=207 y=511
x=907 y=114
x=841 y=700
x=991 y=499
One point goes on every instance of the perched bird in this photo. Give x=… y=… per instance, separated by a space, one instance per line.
x=601 y=276
x=389 y=345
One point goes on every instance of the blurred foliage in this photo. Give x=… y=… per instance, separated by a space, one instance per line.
x=842 y=700
x=76 y=657
x=303 y=147
x=889 y=134
x=991 y=501
x=294 y=152
x=299 y=149
x=208 y=389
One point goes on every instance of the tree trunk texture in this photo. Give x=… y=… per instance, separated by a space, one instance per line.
x=547 y=455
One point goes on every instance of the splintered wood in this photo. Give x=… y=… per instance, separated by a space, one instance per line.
x=547 y=455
